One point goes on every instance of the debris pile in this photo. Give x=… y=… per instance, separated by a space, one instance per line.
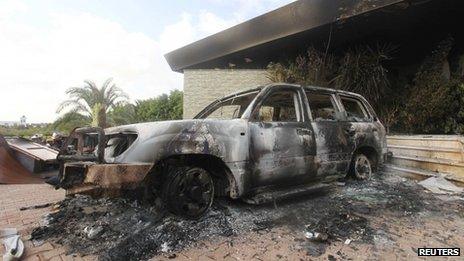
x=127 y=229
x=341 y=226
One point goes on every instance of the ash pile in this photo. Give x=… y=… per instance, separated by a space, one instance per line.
x=126 y=229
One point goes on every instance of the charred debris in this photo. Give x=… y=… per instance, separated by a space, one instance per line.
x=128 y=229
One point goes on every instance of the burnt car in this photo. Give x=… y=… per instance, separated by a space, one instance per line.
x=279 y=137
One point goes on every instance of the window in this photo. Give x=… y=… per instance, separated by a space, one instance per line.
x=118 y=143
x=322 y=106
x=354 y=109
x=232 y=108
x=226 y=112
x=280 y=106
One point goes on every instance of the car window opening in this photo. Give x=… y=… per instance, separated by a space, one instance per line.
x=322 y=106
x=355 y=111
x=118 y=143
x=230 y=109
x=282 y=106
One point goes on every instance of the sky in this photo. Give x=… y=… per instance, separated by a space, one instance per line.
x=47 y=46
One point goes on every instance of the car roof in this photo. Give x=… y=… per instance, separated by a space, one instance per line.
x=239 y=93
x=274 y=85
x=325 y=89
x=316 y=88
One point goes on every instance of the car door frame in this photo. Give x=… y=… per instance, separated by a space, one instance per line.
x=368 y=132
x=265 y=168
x=333 y=153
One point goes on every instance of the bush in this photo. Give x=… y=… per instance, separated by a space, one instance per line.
x=362 y=71
x=122 y=113
x=430 y=102
x=436 y=98
x=359 y=69
x=163 y=107
x=313 y=68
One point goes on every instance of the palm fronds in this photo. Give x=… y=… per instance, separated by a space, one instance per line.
x=87 y=98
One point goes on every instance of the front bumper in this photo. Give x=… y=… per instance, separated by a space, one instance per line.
x=84 y=170
x=102 y=179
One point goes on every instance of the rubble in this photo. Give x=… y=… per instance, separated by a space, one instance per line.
x=316 y=236
x=135 y=230
x=93 y=232
x=439 y=185
x=340 y=225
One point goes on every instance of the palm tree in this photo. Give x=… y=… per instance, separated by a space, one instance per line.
x=93 y=101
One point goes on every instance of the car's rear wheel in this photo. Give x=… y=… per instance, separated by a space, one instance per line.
x=188 y=191
x=361 y=167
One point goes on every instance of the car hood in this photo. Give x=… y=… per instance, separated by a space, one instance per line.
x=160 y=139
x=148 y=127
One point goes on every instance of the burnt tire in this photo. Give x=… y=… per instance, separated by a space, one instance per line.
x=361 y=167
x=188 y=191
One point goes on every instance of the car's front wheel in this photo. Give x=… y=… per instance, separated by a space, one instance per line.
x=361 y=167
x=188 y=191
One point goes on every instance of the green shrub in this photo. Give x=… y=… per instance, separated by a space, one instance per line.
x=163 y=107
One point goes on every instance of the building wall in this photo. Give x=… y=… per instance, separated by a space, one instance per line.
x=202 y=86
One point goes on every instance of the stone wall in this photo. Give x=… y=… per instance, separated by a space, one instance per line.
x=203 y=86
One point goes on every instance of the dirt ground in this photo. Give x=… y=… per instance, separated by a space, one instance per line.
x=387 y=217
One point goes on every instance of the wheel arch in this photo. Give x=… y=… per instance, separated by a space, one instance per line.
x=224 y=181
x=370 y=152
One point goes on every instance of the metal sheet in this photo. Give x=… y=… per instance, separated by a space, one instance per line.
x=11 y=171
x=32 y=149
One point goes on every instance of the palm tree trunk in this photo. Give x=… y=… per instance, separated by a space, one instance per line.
x=99 y=115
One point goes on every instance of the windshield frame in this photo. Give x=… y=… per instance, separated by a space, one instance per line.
x=203 y=114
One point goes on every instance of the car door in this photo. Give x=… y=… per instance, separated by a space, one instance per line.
x=282 y=146
x=333 y=136
x=368 y=131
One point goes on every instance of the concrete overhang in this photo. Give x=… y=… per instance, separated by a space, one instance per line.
x=324 y=23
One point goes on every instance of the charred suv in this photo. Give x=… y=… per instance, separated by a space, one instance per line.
x=280 y=137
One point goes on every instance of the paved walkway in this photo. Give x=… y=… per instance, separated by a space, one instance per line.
x=15 y=197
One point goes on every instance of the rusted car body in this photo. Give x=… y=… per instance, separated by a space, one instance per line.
x=270 y=137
